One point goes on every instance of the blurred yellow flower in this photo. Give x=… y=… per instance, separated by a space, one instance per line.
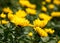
x=31 y=11
x=2 y=15
x=5 y=22
x=30 y=34
x=48 y=1
x=55 y=14
x=21 y=13
x=27 y=4
x=59 y=41
x=49 y=30
x=41 y=32
x=51 y=6
x=43 y=8
x=43 y=3
x=45 y=16
x=57 y=2
x=7 y=10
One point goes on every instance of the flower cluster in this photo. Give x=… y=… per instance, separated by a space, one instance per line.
x=44 y=15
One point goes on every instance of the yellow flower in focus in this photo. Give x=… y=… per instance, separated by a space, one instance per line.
x=10 y=16
x=59 y=41
x=43 y=8
x=41 y=32
x=51 y=6
x=27 y=4
x=49 y=31
x=3 y=15
x=55 y=14
x=5 y=22
x=24 y=22
x=30 y=34
x=31 y=11
x=21 y=13
x=15 y=20
x=39 y=23
x=7 y=10
x=45 y=16
x=20 y=21
x=48 y=1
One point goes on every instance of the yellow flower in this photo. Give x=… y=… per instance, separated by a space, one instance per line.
x=31 y=11
x=5 y=22
x=55 y=14
x=10 y=16
x=21 y=13
x=30 y=34
x=39 y=23
x=45 y=16
x=57 y=2
x=51 y=6
x=48 y=1
x=7 y=10
x=3 y=15
x=59 y=41
x=43 y=8
x=27 y=4
x=41 y=32
x=49 y=31
x=24 y=22
x=43 y=3
x=15 y=20
x=20 y=21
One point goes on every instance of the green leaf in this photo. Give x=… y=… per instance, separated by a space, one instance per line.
x=45 y=39
x=1 y=31
x=52 y=41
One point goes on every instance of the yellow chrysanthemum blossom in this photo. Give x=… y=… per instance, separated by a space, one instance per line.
x=21 y=13
x=30 y=34
x=51 y=6
x=24 y=22
x=2 y=15
x=43 y=8
x=41 y=32
x=27 y=4
x=15 y=20
x=5 y=22
x=49 y=31
x=45 y=16
x=55 y=14
x=20 y=21
x=31 y=11
x=39 y=23
x=7 y=10
x=10 y=16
